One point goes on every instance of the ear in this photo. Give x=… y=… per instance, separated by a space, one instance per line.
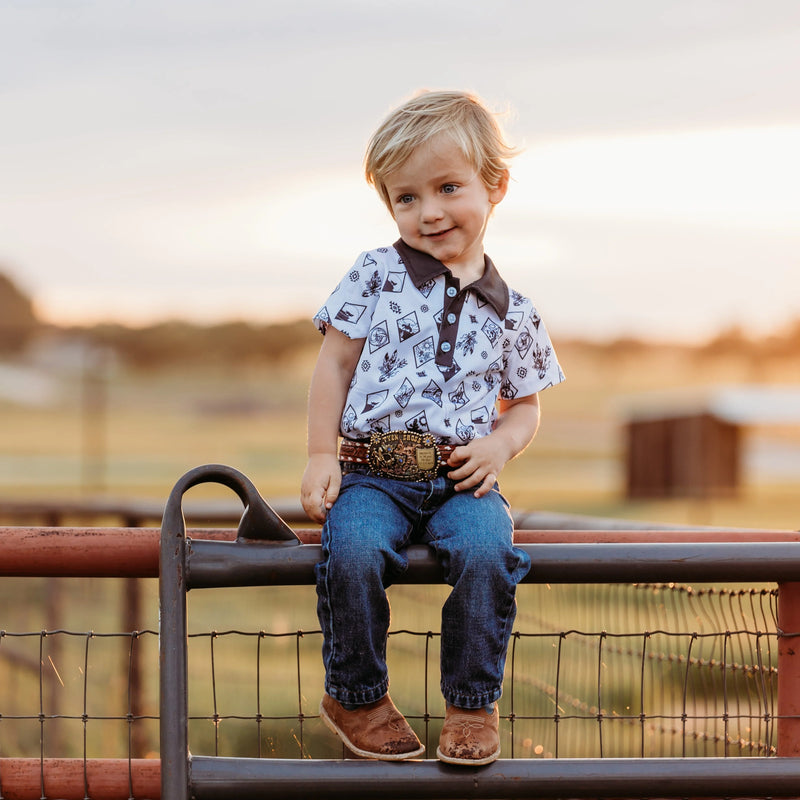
x=497 y=193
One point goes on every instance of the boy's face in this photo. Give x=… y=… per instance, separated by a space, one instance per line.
x=441 y=206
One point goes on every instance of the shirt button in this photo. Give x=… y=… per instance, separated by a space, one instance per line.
x=451 y=318
x=452 y=291
x=446 y=347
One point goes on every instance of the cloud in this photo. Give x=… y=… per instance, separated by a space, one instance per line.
x=213 y=150
x=745 y=178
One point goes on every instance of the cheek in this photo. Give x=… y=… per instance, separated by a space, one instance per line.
x=403 y=218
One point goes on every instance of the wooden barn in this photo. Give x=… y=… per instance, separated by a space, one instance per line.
x=683 y=445
x=697 y=455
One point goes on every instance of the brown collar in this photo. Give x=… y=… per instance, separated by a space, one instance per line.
x=423 y=267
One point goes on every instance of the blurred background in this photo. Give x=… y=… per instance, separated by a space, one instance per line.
x=181 y=187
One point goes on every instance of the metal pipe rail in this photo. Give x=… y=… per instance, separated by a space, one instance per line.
x=78 y=552
x=215 y=778
x=219 y=564
x=78 y=778
x=266 y=551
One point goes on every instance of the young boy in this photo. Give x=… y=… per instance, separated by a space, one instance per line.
x=429 y=371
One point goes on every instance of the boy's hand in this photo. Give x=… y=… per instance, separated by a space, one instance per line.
x=320 y=486
x=479 y=464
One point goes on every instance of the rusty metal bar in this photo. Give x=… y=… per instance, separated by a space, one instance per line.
x=77 y=778
x=789 y=669
x=83 y=552
x=133 y=552
x=80 y=552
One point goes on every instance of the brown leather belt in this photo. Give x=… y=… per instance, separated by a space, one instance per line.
x=402 y=455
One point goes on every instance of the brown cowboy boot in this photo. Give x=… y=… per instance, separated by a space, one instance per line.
x=469 y=736
x=376 y=730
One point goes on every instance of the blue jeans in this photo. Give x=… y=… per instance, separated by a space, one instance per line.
x=364 y=540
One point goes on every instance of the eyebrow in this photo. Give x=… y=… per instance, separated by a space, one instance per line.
x=443 y=178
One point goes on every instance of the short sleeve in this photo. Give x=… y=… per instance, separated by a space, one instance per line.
x=532 y=364
x=351 y=304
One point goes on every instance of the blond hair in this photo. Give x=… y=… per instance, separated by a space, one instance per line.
x=458 y=115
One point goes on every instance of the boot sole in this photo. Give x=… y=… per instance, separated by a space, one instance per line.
x=366 y=753
x=467 y=762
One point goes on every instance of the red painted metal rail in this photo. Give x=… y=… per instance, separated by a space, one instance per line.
x=133 y=552
x=77 y=779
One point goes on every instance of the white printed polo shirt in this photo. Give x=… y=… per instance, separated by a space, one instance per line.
x=436 y=356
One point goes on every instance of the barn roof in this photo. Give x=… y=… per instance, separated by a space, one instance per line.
x=750 y=404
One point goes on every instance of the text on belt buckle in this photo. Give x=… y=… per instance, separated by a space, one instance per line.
x=404 y=455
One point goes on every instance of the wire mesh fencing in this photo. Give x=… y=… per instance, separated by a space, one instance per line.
x=617 y=670
x=637 y=670
x=69 y=694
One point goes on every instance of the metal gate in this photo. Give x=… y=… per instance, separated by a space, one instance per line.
x=267 y=552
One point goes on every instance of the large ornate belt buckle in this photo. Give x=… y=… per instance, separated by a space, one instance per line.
x=403 y=455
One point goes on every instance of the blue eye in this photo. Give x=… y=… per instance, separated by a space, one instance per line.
x=449 y=188
x=405 y=199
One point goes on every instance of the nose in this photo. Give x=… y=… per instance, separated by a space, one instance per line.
x=430 y=209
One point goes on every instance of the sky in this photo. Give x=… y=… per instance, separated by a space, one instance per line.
x=202 y=160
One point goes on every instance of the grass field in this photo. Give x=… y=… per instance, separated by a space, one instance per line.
x=139 y=433
x=152 y=427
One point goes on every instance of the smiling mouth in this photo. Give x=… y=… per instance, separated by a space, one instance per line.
x=438 y=234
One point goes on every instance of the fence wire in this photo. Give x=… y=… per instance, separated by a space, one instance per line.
x=637 y=670
x=69 y=693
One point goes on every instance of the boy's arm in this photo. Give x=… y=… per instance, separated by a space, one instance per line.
x=337 y=360
x=480 y=462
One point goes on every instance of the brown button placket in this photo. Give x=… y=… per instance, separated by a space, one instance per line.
x=451 y=314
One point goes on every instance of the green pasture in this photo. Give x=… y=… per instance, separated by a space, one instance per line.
x=135 y=435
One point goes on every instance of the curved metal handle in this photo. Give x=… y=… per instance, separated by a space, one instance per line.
x=259 y=521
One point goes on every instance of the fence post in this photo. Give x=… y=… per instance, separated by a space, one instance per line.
x=789 y=669
x=172 y=633
x=258 y=522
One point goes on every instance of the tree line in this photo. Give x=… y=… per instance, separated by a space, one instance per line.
x=163 y=343
x=248 y=343
x=178 y=342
